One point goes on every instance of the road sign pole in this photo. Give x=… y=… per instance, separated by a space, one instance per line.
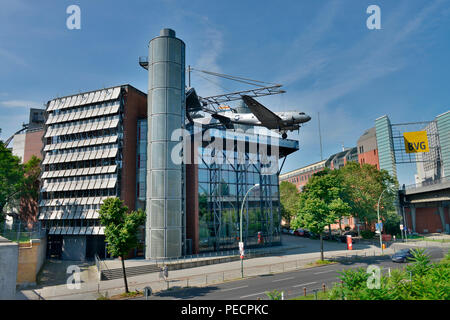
x=240 y=230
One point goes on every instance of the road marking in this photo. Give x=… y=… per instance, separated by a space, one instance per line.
x=234 y=288
x=251 y=295
x=304 y=284
x=325 y=271
x=283 y=279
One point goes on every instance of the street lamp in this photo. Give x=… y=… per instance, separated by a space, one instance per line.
x=378 y=214
x=240 y=226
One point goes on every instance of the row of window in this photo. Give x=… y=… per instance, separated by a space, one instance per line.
x=81 y=178
x=83 y=127
x=79 y=194
x=84 y=112
x=81 y=136
x=83 y=99
x=78 y=172
x=82 y=164
x=83 y=149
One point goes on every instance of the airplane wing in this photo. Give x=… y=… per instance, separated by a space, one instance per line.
x=224 y=120
x=268 y=119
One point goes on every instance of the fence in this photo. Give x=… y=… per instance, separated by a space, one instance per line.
x=18 y=232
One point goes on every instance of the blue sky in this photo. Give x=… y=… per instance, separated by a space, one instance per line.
x=321 y=51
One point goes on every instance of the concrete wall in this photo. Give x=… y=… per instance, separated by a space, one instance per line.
x=33 y=145
x=9 y=252
x=30 y=261
x=19 y=145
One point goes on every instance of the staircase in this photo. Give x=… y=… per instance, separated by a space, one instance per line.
x=117 y=273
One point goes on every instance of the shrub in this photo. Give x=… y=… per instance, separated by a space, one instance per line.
x=274 y=295
x=367 y=234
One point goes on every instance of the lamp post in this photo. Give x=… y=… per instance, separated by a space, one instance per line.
x=240 y=225
x=378 y=214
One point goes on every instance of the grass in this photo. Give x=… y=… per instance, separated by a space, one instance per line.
x=125 y=295
x=320 y=263
x=320 y=296
x=23 y=236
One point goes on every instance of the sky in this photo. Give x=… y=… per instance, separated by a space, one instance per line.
x=322 y=52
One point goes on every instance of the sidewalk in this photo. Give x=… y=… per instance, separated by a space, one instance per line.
x=301 y=252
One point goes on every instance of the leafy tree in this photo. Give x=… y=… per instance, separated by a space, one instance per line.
x=30 y=190
x=11 y=178
x=121 y=229
x=321 y=204
x=364 y=185
x=289 y=197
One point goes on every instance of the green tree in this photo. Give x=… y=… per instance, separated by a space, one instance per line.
x=121 y=229
x=364 y=185
x=321 y=204
x=289 y=197
x=11 y=178
x=30 y=190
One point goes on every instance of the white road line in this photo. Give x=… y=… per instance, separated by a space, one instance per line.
x=229 y=289
x=304 y=284
x=283 y=279
x=325 y=271
x=251 y=295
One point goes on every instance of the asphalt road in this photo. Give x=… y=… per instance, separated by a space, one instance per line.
x=292 y=283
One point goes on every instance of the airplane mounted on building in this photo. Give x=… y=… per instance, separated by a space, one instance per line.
x=263 y=117
x=281 y=122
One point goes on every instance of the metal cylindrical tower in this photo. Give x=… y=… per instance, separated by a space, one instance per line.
x=165 y=176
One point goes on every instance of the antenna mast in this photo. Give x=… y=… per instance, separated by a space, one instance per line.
x=320 y=137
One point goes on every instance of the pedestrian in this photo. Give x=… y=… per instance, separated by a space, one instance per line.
x=166 y=272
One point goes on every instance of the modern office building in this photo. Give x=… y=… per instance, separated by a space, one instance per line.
x=29 y=143
x=367 y=148
x=301 y=176
x=90 y=147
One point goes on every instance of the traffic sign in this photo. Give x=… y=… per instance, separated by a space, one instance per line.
x=379 y=226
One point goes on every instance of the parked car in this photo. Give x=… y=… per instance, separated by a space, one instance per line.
x=291 y=231
x=402 y=256
x=299 y=232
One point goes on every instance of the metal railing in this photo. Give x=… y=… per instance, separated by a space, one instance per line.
x=428 y=183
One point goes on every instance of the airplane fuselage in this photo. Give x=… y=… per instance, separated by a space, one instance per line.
x=290 y=120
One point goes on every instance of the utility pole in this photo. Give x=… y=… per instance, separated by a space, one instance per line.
x=240 y=226
x=379 y=221
x=189 y=76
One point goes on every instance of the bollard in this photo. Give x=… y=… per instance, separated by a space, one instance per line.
x=323 y=287
x=304 y=291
